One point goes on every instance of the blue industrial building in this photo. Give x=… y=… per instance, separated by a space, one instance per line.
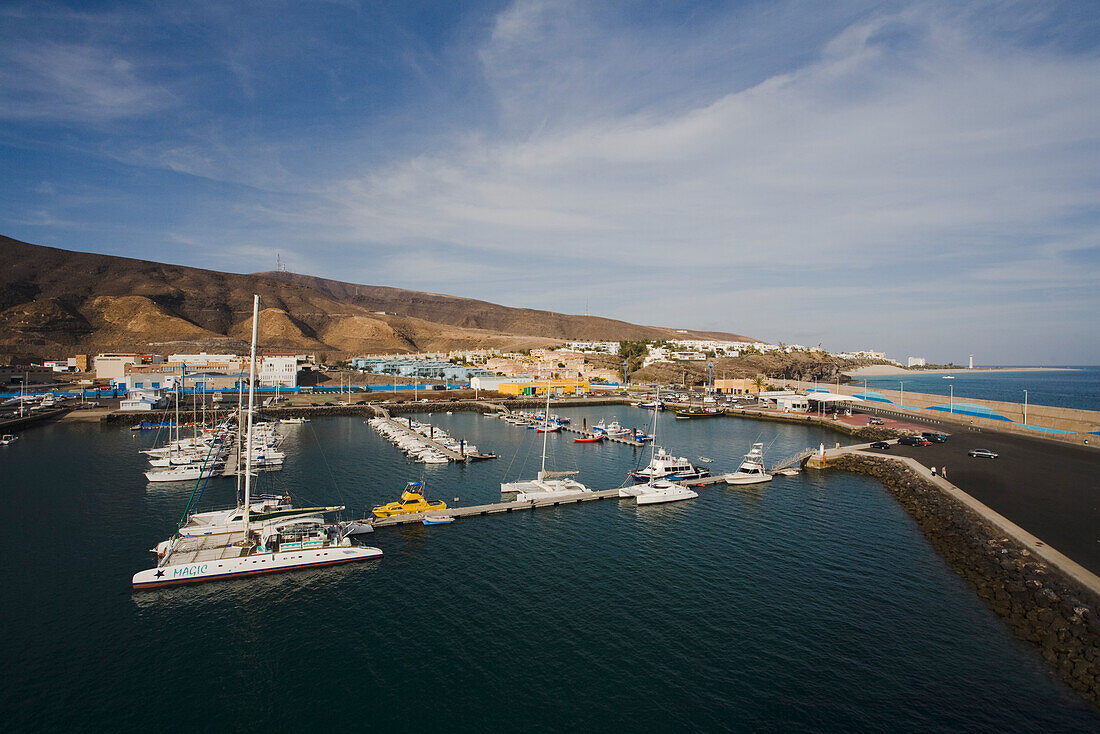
x=423 y=368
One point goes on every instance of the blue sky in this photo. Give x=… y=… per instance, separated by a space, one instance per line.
x=917 y=177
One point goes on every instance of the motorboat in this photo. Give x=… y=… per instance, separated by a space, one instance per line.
x=8 y=438
x=597 y=438
x=293 y=421
x=662 y=490
x=438 y=520
x=752 y=470
x=664 y=465
x=412 y=500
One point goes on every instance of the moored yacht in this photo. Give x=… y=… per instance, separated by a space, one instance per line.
x=752 y=470
x=664 y=465
x=662 y=490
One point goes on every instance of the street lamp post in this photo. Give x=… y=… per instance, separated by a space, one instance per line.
x=1025 y=407
x=903 y=395
x=952 y=398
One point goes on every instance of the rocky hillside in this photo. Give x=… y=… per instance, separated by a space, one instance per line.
x=55 y=302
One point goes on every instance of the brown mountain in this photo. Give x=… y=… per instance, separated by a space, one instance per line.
x=56 y=302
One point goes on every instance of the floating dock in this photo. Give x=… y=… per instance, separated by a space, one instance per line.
x=497 y=508
x=435 y=445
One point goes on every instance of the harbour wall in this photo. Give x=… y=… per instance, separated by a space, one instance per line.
x=1039 y=601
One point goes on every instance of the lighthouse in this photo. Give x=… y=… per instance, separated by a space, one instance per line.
x=971 y=362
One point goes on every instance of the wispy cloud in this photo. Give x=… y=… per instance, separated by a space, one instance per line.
x=74 y=82
x=761 y=168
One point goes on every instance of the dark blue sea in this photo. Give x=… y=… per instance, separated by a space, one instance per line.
x=1077 y=387
x=810 y=604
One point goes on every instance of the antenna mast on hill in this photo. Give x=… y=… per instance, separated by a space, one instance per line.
x=279 y=266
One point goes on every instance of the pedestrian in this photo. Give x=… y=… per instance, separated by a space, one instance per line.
x=943 y=472
x=933 y=471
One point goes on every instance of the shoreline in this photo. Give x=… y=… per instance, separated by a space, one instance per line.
x=884 y=370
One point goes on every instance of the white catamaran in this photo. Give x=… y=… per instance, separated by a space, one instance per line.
x=545 y=484
x=658 y=489
x=263 y=544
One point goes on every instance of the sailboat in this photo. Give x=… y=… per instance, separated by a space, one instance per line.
x=259 y=547
x=657 y=491
x=546 y=483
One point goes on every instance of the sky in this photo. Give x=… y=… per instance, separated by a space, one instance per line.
x=921 y=178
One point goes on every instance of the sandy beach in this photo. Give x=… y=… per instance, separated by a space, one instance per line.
x=876 y=370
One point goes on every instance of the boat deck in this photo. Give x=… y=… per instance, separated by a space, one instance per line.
x=206 y=548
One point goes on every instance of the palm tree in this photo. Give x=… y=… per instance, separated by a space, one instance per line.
x=759 y=383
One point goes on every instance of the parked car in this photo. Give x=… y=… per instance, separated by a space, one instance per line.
x=880 y=445
x=873 y=421
x=981 y=454
x=935 y=437
x=914 y=441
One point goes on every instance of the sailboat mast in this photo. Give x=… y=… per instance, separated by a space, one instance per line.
x=545 y=429
x=251 y=395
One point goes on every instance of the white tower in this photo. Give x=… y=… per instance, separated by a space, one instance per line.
x=971 y=361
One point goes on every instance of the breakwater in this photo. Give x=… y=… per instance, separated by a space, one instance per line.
x=1039 y=603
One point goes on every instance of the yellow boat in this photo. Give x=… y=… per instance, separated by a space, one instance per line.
x=412 y=500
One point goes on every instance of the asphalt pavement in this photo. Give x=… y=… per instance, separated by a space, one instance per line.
x=1051 y=490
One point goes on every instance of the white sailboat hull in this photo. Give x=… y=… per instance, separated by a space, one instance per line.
x=666 y=496
x=252 y=565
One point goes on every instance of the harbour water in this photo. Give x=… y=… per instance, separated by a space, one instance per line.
x=812 y=603
x=1078 y=387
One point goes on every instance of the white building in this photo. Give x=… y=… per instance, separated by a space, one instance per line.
x=917 y=362
x=142 y=400
x=113 y=366
x=281 y=369
x=494 y=383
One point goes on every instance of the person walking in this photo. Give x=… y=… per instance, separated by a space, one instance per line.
x=943 y=472
x=933 y=471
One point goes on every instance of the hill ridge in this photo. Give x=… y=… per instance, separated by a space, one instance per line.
x=55 y=302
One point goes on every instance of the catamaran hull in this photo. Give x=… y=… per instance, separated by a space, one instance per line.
x=232 y=568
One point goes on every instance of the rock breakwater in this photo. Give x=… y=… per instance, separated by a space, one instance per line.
x=1037 y=601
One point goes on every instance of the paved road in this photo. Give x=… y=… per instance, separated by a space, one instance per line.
x=1051 y=490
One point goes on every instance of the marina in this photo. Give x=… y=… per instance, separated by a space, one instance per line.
x=582 y=558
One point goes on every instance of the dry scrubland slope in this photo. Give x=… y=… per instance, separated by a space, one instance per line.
x=55 y=302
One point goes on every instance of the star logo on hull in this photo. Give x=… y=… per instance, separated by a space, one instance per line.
x=159 y=574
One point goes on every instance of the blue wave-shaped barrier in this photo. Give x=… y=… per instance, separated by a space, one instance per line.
x=978 y=411
x=817 y=389
x=1041 y=429
x=875 y=396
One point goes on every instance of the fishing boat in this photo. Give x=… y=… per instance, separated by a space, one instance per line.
x=546 y=483
x=293 y=421
x=699 y=413
x=752 y=469
x=438 y=520
x=412 y=500
x=284 y=545
x=597 y=438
